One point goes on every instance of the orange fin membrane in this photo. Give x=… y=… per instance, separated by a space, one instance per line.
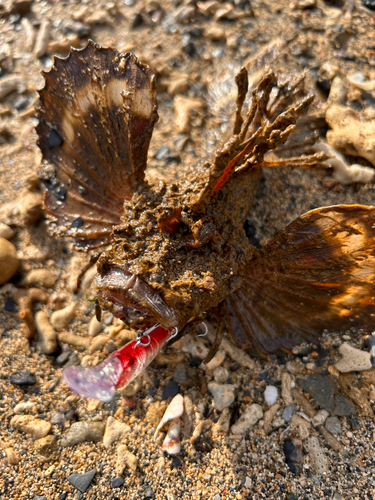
x=318 y=273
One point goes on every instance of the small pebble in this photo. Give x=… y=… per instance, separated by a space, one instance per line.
x=12 y=456
x=117 y=483
x=6 y=232
x=82 y=481
x=125 y=459
x=22 y=378
x=8 y=261
x=24 y=407
x=31 y=425
x=319 y=418
x=288 y=412
x=270 y=394
x=353 y=359
x=60 y=319
x=223 y=395
x=46 y=446
x=221 y=375
x=114 y=431
x=42 y=278
x=170 y=390
x=302 y=425
x=248 y=419
x=80 y=432
x=333 y=425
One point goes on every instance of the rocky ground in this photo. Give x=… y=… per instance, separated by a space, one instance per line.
x=296 y=427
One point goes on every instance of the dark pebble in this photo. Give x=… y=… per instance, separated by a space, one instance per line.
x=22 y=378
x=21 y=103
x=117 y=483
x=77 y=222
x=292 y=448
x=82 y=481
x=170 y=390
x=195 y=362
x=304 y=351
x=63 y=496
x=370 y=4
x=162 y=153
x=10 y=305
x=136 y=20
x=321 y=389
x=54 y=139
x=63 y=357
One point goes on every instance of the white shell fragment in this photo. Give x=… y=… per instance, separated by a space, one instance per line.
x=175 y=410
x=172 y=441
x=270 y=394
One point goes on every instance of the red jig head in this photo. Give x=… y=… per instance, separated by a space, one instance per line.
x=102 y=381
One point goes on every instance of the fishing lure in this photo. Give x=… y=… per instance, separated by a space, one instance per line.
x=178 y=253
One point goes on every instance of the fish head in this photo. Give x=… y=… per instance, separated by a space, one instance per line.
x=163 y=268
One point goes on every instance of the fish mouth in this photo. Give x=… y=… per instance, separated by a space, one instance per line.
x=133 y=300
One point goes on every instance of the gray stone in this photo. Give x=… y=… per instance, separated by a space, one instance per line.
x=333 y=425
x=321 y=388
x=82 y=481
x=223 y=395
x=343 y=406
x=288 y=412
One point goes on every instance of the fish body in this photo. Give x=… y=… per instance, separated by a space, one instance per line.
x=176 y=252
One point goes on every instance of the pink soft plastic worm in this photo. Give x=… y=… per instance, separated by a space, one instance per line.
x=101 y=381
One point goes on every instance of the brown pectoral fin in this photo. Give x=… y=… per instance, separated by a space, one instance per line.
x=318 y=273
x=96 y=116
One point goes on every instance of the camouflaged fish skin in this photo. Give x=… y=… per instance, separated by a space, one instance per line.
x=177 y=251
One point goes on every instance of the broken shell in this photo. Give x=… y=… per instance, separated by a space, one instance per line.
x=172 y=442
x=175 y=410
x=125 y=458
